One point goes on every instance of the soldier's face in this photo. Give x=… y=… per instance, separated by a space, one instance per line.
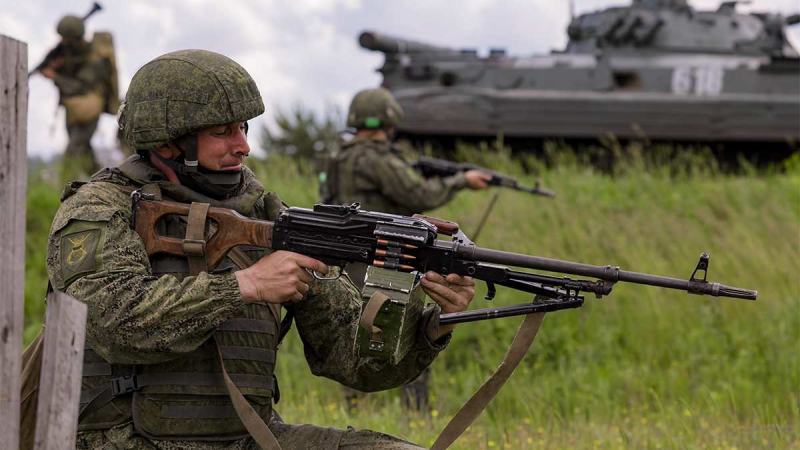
x=223 y=147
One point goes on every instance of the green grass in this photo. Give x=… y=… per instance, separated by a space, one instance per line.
x=641 y=368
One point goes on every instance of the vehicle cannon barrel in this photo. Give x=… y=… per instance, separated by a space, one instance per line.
x=387 y=44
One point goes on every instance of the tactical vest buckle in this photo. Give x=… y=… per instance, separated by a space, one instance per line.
x=124 y=385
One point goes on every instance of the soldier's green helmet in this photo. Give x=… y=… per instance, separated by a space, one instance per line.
x=70 y=27
x=183 y=92
x=374 y=108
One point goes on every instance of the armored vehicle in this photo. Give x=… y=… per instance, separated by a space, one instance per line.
x=655 y=68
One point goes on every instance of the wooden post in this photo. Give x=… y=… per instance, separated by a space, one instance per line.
x=62 y=367
x=13 y=177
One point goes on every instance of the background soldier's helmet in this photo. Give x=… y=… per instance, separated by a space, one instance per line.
x=70 y=27
x=183 y=92
x=374 y=108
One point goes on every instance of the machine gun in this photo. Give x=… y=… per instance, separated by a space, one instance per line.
x=58 y=51
x=341 y=234
x=442 y=168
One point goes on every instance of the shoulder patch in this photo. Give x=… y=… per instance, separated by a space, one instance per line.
x=79 y=248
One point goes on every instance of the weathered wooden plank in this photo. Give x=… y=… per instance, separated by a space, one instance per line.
x=62 y=366
x=13 y=176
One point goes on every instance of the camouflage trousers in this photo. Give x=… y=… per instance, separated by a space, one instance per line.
x=414 y=395
x=79 y=148
x=290 y=437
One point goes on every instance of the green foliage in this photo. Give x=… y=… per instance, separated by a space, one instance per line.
x=301 y=133
x=43 y=200
x=641 y=368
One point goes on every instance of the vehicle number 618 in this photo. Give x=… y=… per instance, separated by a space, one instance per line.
x=688 y=80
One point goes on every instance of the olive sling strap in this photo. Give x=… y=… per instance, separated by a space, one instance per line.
x=194 y=244
x=255 y=425
x=194 y=248
x=484 y=395
x=371 y=312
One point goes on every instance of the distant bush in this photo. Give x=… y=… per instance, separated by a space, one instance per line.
x=302 y=133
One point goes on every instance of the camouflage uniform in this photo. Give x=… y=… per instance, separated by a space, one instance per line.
x=86 y=81
x=374 y=173
x=149 y=317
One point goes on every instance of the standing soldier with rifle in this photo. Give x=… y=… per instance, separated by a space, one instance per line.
x=85 y=74
x=372 y=171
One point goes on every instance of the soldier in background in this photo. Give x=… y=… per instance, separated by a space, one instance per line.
x=372 y=171
x=86 y=77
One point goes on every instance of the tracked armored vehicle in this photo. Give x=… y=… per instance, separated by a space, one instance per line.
x=655 y=68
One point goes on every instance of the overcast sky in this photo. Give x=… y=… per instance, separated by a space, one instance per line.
x=298 y=51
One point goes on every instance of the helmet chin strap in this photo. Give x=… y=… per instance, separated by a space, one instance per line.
x=190 y=152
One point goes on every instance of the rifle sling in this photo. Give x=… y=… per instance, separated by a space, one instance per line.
x=486 y=393
x=374 y=305
x=194 y=245
x=254 y=424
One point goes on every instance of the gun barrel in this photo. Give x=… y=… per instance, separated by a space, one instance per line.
x=607 y=273
x=388 y=44
x=95 y=7
x=538 y=191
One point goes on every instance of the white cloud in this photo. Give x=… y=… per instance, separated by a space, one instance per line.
x=12 y=27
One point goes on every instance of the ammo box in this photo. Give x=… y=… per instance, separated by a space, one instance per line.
x=398 y=318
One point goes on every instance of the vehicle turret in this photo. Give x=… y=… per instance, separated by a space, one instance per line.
x=674 y=26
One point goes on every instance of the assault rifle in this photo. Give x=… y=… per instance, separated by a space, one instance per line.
x=342 y=234
x=432 y=167
x=59 y=50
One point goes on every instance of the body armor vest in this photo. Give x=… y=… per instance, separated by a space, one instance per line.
x=186 y=398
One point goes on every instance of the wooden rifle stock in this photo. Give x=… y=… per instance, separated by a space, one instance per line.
x=229 y=230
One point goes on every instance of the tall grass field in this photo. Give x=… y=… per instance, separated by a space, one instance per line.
x=644 y=368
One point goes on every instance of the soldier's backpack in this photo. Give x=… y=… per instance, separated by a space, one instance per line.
x=85 y=108
x=103 y=47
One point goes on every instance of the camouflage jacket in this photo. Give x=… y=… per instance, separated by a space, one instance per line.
x=135 y=317
x=375 y=174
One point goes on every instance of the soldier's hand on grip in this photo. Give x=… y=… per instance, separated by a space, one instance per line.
x=279 y=277
x=48 y=72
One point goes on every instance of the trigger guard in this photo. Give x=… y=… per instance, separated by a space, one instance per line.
x=322 y=277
